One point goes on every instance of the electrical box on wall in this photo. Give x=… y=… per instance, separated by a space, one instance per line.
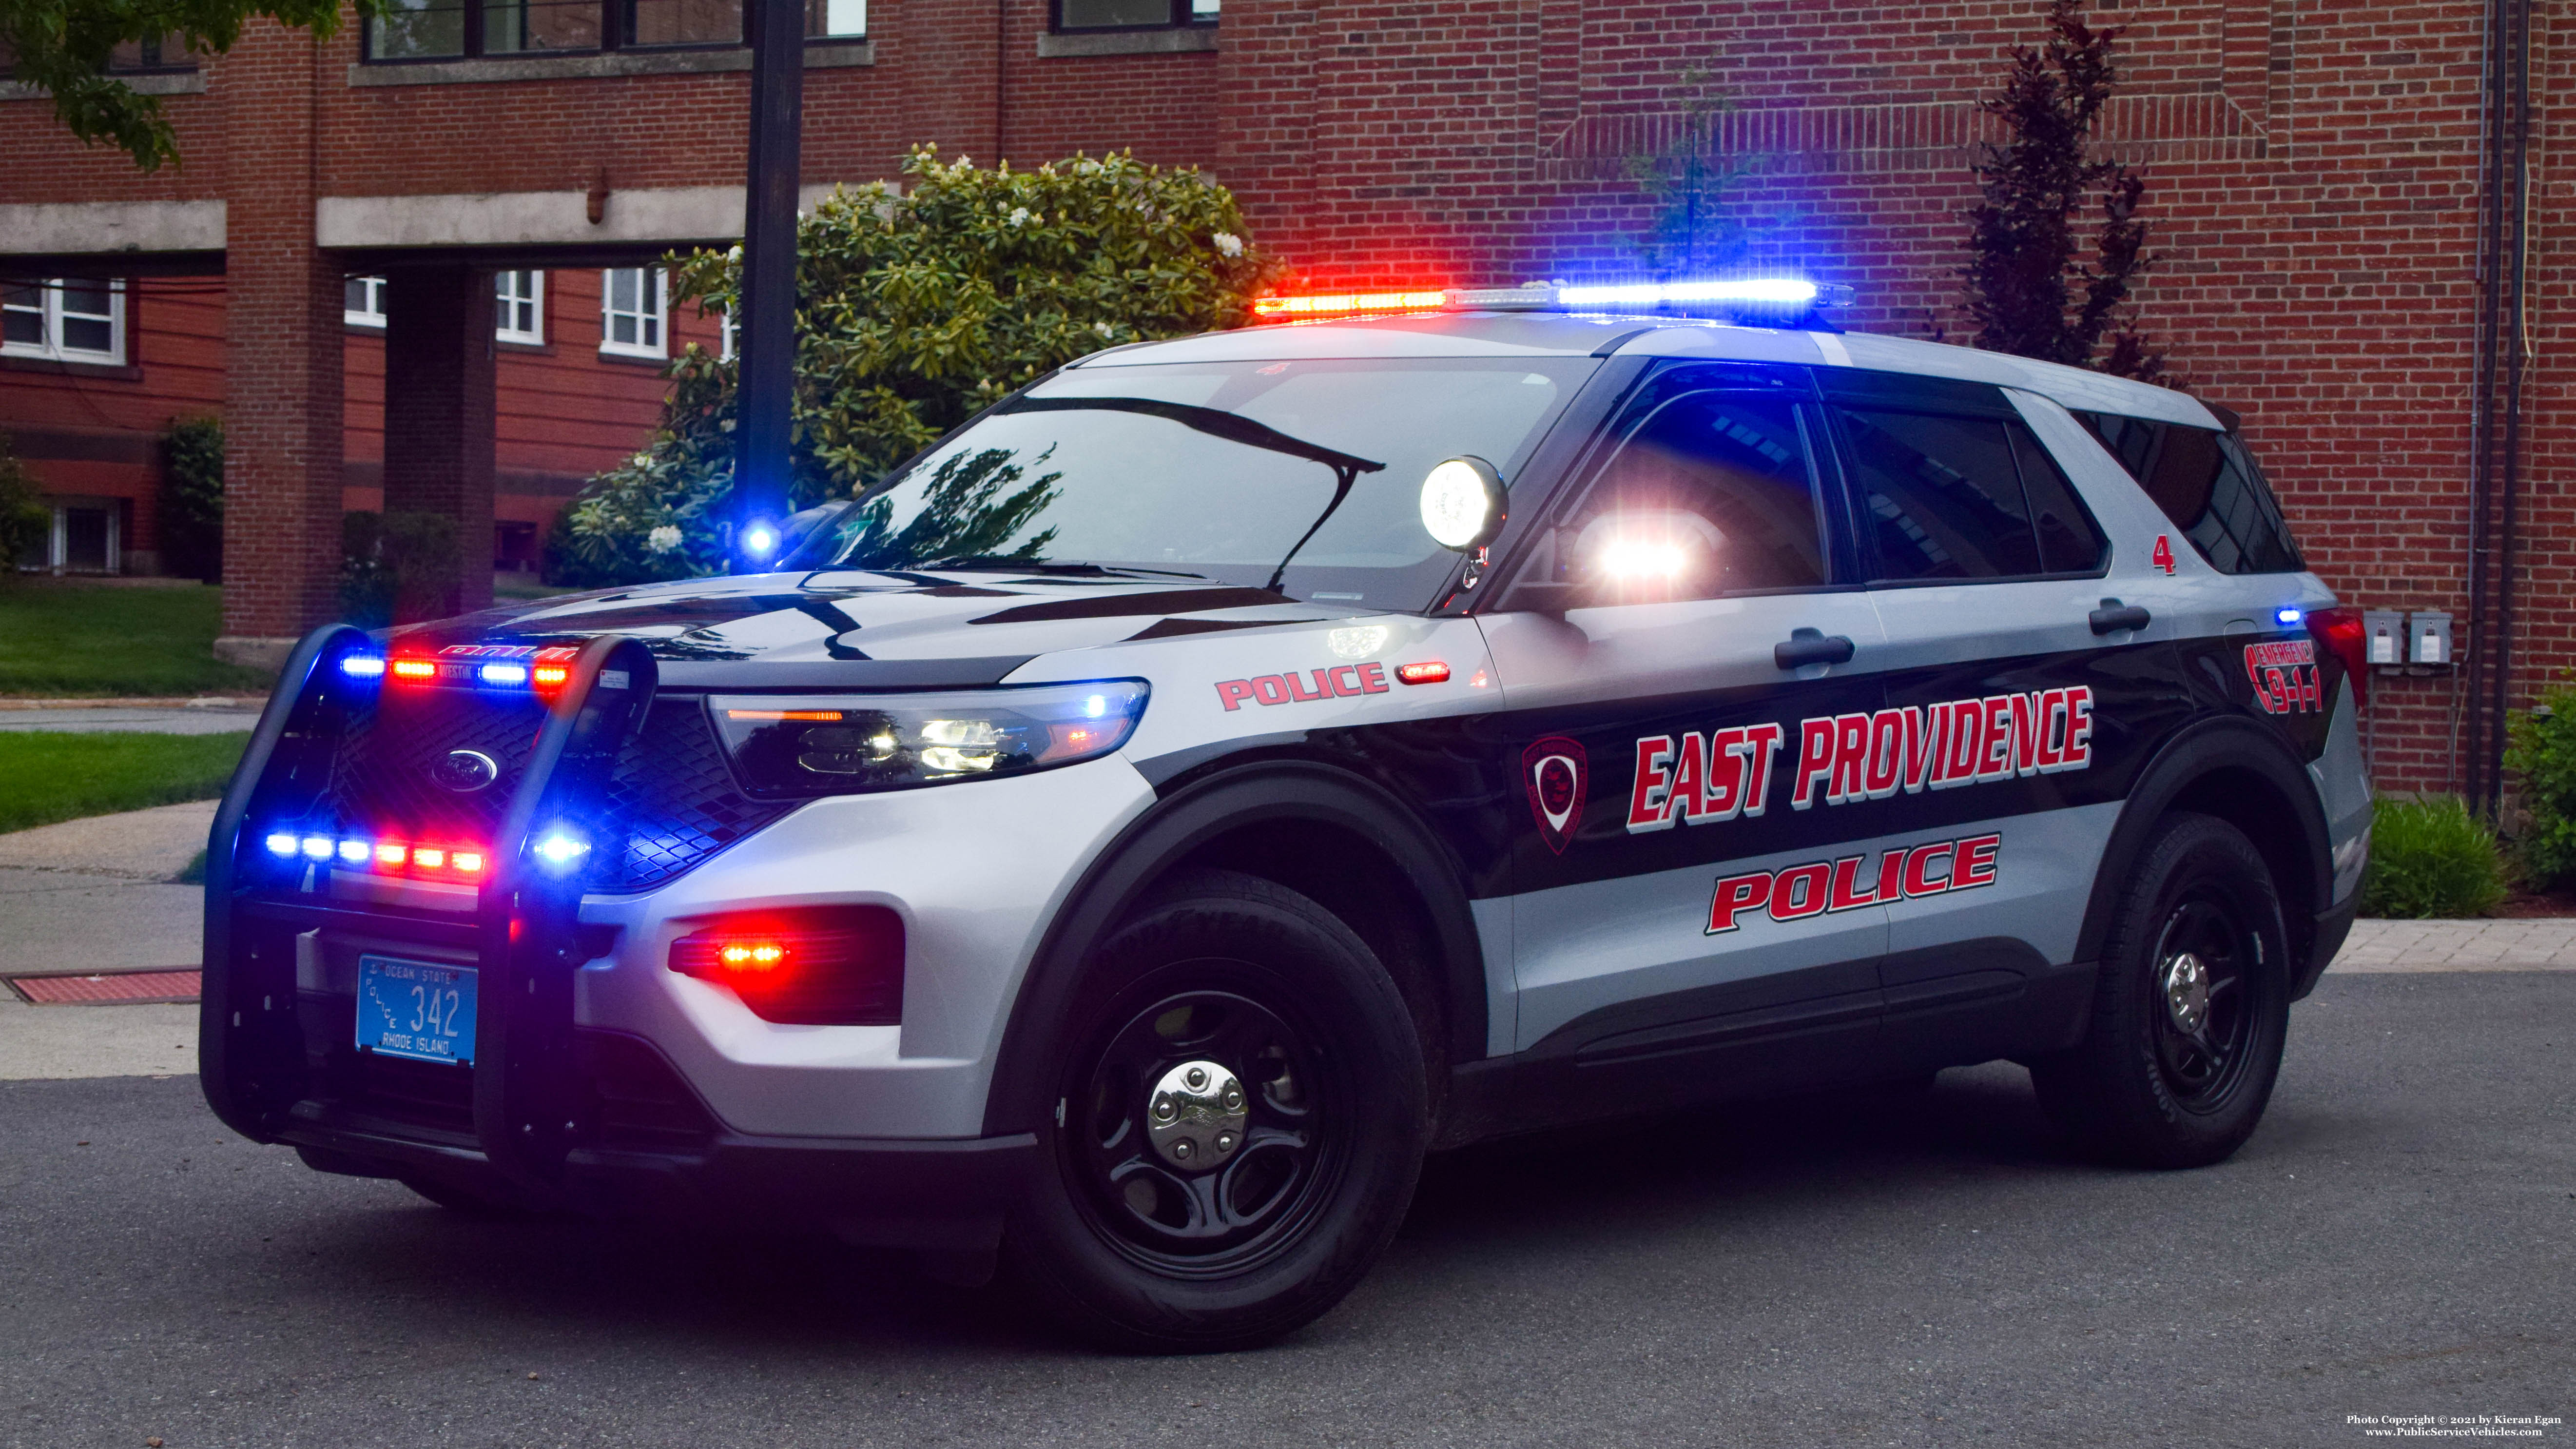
x=2383 y=636
x=2428 y=634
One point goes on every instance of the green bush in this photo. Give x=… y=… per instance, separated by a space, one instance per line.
x=192 y=499
x=916 y=308
x=2543 y=754
x=2431 y=860
x=396 y=567
x=25 y=523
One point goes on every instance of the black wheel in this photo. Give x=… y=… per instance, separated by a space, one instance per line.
x=2191 y=1009
x=1240 y=1115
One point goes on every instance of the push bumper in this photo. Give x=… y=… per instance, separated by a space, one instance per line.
x=549 y=1111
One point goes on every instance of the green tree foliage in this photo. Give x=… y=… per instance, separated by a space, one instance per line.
x=916 y=308
x=1698 y=228
x=2431 y=860
x=66 y=47
x=191 y=514
x=2543 y=755
x=2028 y=292
x=25 y=523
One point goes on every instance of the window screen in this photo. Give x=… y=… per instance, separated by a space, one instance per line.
x=1941 y=497
x=1711 y=495
x=2208 y=484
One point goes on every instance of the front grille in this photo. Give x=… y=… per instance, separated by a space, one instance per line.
x=637 y=1102
x=671 y=800
x=381 y=781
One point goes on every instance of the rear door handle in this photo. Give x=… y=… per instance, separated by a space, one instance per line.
x=1812 y=646
x=2114 y=615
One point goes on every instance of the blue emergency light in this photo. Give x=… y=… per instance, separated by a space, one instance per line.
x=2287 y=616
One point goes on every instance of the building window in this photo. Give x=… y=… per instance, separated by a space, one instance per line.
x=519 y=300
x=630 y=312
x=411 y=30
x=362 y=302
x=160 y=55
x=67 y=319
x=86 y=537
x=1078 y=15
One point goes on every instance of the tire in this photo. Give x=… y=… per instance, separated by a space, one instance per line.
x=2170 y=1074
x=1120 y=1236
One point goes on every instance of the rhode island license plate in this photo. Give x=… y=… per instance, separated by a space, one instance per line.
x=416 y=1009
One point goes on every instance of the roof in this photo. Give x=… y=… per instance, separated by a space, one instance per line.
x=1564 y=334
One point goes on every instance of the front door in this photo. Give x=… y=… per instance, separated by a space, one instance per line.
x=1681 y=879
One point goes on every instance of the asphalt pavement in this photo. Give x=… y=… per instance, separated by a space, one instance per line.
x=1935 y=1269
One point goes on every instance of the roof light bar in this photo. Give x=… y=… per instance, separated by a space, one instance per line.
x=1345 y=303
x=1769 y=297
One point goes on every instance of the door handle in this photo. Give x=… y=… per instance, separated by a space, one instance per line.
x=1812 y=646
x=2115 y=615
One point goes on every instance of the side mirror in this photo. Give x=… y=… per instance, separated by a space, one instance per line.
x=1463 y=503
x=809 y=526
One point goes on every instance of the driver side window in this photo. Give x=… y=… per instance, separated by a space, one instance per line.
x=1710 y=495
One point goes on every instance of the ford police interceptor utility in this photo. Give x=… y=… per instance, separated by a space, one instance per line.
x=1123 y=842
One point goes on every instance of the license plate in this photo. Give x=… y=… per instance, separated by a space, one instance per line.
x=416 y=1009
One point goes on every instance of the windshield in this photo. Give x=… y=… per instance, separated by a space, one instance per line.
x=1303 y=476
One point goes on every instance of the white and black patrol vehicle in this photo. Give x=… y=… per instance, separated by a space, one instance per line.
x=1125 y=841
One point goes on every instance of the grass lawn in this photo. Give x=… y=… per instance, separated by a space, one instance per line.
x=62 y=641
x=49 y=775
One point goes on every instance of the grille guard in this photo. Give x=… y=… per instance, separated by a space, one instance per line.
x=524 y=932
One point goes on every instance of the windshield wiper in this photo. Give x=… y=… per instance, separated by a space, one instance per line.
x=982 y=562
x=1234 y=428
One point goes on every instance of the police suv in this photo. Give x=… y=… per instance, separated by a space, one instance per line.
x=1122 y=843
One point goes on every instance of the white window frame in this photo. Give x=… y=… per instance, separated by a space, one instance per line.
x=49 y=309
x=504 y=302
x=374 y=292
x=850 y=10
x=657 y=321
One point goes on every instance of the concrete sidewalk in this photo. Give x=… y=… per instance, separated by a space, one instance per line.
x=95 y=895
x=191 y=717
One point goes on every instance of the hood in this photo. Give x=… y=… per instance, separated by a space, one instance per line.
x=851 y=629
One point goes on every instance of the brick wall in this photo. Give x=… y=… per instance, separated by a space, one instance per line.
x=2312 y=178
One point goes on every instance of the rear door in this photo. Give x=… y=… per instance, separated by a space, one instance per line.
x=1675 y=893
x=2019 y=722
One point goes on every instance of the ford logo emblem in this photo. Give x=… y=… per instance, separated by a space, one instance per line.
x=465 y=771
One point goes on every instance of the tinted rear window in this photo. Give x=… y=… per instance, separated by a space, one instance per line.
x=2208 y=484
x=1951 y=497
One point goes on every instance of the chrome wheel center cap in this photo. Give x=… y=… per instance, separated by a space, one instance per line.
x=1196 y=1115
x=2187 y=991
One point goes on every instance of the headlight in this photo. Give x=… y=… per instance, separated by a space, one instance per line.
x=839 y=744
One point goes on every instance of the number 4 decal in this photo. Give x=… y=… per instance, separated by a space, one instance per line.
x=2163 y=557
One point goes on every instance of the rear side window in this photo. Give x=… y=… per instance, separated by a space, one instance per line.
x=2208 y=484
x=1946 y=497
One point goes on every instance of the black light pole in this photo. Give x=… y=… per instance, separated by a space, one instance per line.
x=767 y=337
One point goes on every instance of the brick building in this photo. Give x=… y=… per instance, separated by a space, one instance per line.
x=2350 y=201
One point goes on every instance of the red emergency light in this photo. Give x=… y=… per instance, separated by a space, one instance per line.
x=809 y=966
